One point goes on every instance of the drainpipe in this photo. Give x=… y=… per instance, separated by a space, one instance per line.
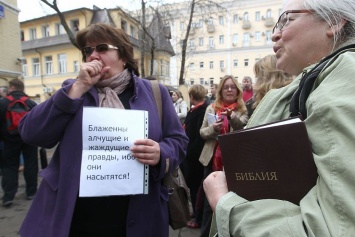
x=40 y=65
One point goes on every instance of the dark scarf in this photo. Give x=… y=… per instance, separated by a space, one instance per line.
x=299 y=98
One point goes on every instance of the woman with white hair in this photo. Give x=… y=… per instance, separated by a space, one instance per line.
x=314 y=39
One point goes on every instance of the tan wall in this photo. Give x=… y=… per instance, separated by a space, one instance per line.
x=10 y=44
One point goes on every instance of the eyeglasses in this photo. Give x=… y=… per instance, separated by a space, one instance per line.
x=100 y=48
x=284 y=18
x=229 y=87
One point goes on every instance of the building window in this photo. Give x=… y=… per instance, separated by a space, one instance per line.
x=192 y=43
x=45 y=31
x=246 y=62
x=48 y=63
x=211 y=64
x=164 y=68
x=257 y=16
x=201 y=23
x=192 y=66
x=246 y=16
x=36 y=67
x=268 y=37
x=155 y=67
x=33 y=34
x=257 y=36
x=76 y=66
x=246 y=39
x=24 y=68
x=268 y=13
x=235 y=18
x=200 y=41
x=235 y=38
x=192 y=81
x=201 y=65
x=62 y=63
x=74 y=25
x=221 y=39
x=221 y=64
x=133 y=31
x=59 y=29
x=210 y=21
x=195 y=25
x=235 y=63
x=202 y=81
x=211 y=41
x=124 y=26
x=182 y=25
x=211 y=80
x=221 y=20
x=22 y=36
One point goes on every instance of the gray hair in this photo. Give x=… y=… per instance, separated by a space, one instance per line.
x=334 y=12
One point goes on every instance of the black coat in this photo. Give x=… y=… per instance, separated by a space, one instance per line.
x=191 y=167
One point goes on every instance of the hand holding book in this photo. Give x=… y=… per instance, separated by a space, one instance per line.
x=215 y=186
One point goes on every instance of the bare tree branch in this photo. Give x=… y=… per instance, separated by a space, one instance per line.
x=70 y=33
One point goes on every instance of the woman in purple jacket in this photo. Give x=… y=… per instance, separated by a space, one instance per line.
x=107 y=78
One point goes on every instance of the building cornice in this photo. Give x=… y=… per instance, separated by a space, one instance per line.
x=10 y=6
x=6 y=73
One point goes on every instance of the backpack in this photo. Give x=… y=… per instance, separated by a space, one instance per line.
x=16 y=109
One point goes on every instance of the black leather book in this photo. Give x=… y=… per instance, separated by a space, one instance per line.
x=272 y=161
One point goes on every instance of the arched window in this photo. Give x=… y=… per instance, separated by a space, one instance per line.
x=246 y=16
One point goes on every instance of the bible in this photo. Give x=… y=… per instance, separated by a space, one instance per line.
x=271 y=161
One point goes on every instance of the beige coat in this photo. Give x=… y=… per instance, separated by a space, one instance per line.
x=208 y=133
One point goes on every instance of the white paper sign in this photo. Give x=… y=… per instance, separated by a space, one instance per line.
x=107 y=166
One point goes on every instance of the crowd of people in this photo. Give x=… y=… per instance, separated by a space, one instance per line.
x=14 y=151
x=309 y=76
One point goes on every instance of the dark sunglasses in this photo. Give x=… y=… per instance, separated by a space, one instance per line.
x=100 y=48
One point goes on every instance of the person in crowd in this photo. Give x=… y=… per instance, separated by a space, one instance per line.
x=314 y=40
x=3 y=93
x=231 y=114
x=108 y=77
x=247 y=84
x=180 y=105
x=267 y=77
x=14 y=145
x=213 y=89
x=191 y=168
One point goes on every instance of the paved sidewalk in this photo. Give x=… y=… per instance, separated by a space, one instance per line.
x=11 y=218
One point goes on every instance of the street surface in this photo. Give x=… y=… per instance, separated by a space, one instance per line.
x=11 y=218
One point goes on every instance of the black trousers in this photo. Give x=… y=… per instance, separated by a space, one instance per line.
x=207 y=210
x=10 y=164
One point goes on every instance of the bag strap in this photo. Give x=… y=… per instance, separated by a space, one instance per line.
x=157 y=97
x=158 y=101
x=299 y=98
x=10 y=98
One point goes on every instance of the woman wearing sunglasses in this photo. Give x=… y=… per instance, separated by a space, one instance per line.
x=108 y=77
x=315 y=40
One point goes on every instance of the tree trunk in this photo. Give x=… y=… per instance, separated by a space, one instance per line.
x=184 y=45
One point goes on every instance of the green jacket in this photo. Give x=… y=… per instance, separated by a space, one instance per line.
x=328 y=209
